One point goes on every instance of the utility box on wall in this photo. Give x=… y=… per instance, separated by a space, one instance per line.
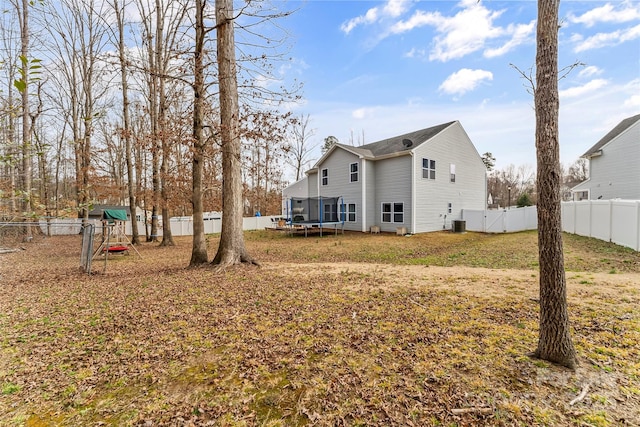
x=401 y=231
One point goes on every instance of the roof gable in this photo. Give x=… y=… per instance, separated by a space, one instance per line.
x=613 y=133
x=397 y=144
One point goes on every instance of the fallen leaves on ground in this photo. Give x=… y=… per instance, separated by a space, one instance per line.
x=150 y=342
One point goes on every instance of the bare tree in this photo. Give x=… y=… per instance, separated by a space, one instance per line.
x=231 y=249
x=300 y=149
x=126 y=128
x=577 y=173
x=9 y=157
x=23 y=83
x=554 y=343
x=77 y=43
x=199 y=244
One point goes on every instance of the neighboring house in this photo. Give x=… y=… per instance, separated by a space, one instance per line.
x=614 y=171
x=421 y=180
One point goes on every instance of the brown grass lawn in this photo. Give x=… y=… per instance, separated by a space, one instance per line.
x=347 y=330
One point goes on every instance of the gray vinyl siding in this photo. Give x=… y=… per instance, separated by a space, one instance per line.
x=451 y=146
x=616 y=173
x=313 y=184
x=393 y=185
x=339 y=182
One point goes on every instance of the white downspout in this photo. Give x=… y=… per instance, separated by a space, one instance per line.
x=364 y=196
x=413 y=194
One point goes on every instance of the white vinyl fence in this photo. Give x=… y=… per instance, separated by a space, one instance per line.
x=616 y=221
x=180 y=226
x=501 y=220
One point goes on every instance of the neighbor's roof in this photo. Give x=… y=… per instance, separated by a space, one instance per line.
x=621 y=127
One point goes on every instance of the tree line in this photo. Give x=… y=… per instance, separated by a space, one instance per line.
x=516 y=185
x=98 y=105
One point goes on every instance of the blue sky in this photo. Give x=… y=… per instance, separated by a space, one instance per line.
x=383 y=68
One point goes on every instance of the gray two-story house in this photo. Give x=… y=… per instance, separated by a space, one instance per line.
x=420 y=180
x=614 y=165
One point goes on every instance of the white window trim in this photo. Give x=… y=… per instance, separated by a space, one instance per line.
x=428 y=169
x=356 y=173
x=323 y=177
x=355 y=212
x=392 y=212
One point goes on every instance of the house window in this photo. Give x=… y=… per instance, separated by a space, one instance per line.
x=450 y=208
x=393 y=212
x=452 y=172
x=348 y=212
x=428 y=169
x=325 y=176
x=330 y=215
x=353 y=170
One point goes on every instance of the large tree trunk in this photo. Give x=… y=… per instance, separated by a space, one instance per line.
x=26 y=119
x=167 y=237
x=231 y=250
x=199 y=247
x=131 y=186
x=554 y=343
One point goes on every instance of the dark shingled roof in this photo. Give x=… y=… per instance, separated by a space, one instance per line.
x=621 y=127
x=396 y=145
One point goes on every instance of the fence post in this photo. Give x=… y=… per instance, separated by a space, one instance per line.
x=638 y=228
x=504 y=221
x=610 y=220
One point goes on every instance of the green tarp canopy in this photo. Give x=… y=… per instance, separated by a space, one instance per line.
x=114 y=214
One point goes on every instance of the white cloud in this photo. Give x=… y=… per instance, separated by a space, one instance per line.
x=521 y=33
x=627 y=11
x=632 y=102
x=392 y=9
x=589 y=71
x=359 y=113
x=607 y=39
x=395 y=8
x=464 y=80
x=415 y=53
x=589 y=87
x=467 y=31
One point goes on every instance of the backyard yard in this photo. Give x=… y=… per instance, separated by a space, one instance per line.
x=346 y=330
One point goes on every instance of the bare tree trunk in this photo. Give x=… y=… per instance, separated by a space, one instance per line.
x=126 y=131
x=231 y=250
x=167 y=237
x=41 y=155
x=10 y=49
x=554 y=344
x=26 y=119
x=199 y=247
